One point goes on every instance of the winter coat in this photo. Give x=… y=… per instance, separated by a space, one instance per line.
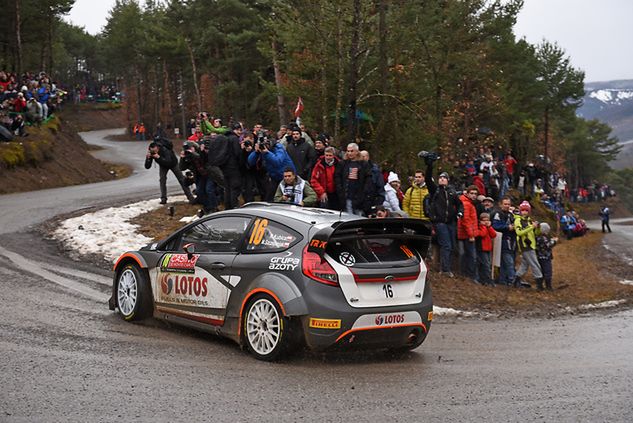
x=485 y=235
x=303 y=156
x=360 y=200
x=301 y=191
x=501 y=222
x=167 y=158
x=322 y=180
x=526 y=233
x=391 y=202
x=377 y=194
x=479 y=183
x=275 y=161
x=443 y=204
x=544 y=244
x=468 y=225
x=413 y=203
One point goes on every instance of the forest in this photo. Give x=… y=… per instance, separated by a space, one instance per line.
x=397 y=76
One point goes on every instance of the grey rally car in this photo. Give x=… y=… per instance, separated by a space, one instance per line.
x=273 y=276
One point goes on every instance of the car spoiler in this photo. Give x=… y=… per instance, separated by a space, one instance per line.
x=416 y=232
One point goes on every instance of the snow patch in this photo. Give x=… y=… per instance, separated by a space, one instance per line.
x=626 y=282
x=602 y=95
x=604 y=304
x=107 y=232
x=612 y=96
x=451 y=312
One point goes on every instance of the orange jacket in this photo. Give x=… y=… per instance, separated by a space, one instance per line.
x=485 y=235
x=468 y=225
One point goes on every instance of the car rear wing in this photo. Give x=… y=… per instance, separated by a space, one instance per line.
x=416 y=233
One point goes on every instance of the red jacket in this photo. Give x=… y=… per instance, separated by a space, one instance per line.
x=322 y=179
x=485 y=235
x=479 y=183
x=467 y=226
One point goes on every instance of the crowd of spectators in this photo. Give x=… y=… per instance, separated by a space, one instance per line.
x=27 y=99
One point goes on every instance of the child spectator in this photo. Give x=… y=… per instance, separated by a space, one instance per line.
x=525 y=228
x=544 y=244
x=485 y=234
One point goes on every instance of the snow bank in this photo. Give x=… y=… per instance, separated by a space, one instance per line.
x=604 y=304
x=451 y=312
x=626 y=282
x=107 y=232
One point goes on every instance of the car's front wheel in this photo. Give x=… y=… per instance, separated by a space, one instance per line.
x=133 y=294
x=265 y=328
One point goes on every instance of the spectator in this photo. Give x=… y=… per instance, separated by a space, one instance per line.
x=391 y=188
x=353 y=181
x=503 y=221
x=161 y=151
x=323 y=180
x=485 y=235
x=272 y=156
x=293 y=189
x=377 y=194
x=525 y=229
x=467 y=228
x=301 y=153
x=194 y=158
x=604 y=218
x=544 y=244
x=444 y=208
x=413 y=203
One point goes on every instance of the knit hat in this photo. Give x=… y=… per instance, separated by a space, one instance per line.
x=393 y=177
x=444 y=175
x=525 y=206
x=544 y=228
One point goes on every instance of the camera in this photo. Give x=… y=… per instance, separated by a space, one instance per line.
x=428 y=156
x=247 y=144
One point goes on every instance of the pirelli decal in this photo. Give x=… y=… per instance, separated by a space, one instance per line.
x=325 y=323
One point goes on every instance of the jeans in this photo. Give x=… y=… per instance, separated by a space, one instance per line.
x=506 y=271
x=446 y=234
x=468 y=258
x=483 y=267
x=350 y=209
x=205 y=188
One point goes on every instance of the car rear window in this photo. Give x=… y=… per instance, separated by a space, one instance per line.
x=373 y=251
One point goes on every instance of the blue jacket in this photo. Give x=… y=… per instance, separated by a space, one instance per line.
x=500 y=222
x=275 y=161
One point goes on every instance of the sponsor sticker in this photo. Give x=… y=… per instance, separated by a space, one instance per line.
x=347 y=259
x=184 y=289
x=430 y=316
x=325 y=323
x=283 y=263
x=179 y=263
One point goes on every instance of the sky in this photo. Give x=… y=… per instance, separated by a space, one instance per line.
x=595 y=34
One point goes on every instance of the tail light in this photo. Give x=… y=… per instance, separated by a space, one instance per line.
x=317 y=269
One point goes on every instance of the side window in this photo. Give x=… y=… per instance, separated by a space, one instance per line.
x=269 y=236
x=222 y=235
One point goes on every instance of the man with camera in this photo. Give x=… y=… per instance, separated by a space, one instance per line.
x=194 y=158
x=275 y=159
x=161 y=151
x=293 y=189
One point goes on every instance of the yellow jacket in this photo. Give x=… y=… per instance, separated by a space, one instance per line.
x=414 y=200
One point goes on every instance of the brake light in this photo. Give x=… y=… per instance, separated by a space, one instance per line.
x=317 y=269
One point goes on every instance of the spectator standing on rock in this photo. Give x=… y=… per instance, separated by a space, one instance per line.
x=526 y=229
x=161 y=151
x=604 y=217
x=503 y=221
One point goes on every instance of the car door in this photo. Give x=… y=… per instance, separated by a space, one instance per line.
x=198 y=286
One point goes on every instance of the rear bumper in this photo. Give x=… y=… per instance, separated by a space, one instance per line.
x=333 y=324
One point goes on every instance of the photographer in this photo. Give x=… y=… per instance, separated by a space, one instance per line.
x=293 y=189
x=194 y=158
x=275 y=159
x=161 y=151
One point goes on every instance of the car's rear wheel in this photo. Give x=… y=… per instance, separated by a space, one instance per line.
x=133 y=294
x=265 y=328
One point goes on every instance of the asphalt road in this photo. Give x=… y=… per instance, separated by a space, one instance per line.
x=66 y=357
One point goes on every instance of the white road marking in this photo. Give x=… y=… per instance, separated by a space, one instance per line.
x=34 y=268
x=102 y=280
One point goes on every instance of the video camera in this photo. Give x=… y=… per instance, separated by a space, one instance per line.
x=428 y=156
x=262 y=139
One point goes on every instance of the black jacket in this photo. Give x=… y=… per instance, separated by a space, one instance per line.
x=361 y=199
x=167 y=158
x=443 y=204
x=303 y=156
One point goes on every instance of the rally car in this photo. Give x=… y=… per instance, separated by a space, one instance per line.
x=271 y=276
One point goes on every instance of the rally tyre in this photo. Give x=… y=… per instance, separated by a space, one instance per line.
x=133 y=294
x=265 y=328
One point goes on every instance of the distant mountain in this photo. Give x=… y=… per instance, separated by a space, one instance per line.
x=612 y=103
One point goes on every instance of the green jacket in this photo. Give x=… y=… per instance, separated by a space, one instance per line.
x=526 y=233
x=207 y=128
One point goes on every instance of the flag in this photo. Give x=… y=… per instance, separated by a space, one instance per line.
x=299 y=107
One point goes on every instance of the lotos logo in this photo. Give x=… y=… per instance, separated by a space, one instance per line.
x=166 y=284
x=389 y=319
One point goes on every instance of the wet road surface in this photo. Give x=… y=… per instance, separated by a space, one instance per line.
x=66 y=357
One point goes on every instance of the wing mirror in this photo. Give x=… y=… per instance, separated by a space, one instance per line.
x=190 y=249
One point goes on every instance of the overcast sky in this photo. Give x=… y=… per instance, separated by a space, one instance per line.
x=596 y=34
